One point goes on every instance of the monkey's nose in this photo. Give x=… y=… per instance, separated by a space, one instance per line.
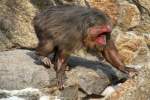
x=109 y=28
x=106 y=29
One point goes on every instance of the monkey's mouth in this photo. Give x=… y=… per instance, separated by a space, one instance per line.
x=101 y=38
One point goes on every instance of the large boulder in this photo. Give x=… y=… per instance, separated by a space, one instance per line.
x=131 y=47
x=18 y=71
x=143 y=27
x=129 y=15
x=16 y=24
x=137 y=89
x=110 y=7
x=145 y=3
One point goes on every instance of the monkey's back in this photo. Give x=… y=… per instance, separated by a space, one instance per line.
x=64 y=25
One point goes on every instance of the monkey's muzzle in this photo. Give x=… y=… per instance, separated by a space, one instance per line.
x=103 y=33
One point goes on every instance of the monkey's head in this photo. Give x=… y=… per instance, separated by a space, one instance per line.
x=98 y=31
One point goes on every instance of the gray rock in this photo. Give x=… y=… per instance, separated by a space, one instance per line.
x=23 y=94
x=92 y=76
x=18 y=71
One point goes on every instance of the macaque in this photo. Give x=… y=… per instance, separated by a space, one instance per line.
x=63 y=29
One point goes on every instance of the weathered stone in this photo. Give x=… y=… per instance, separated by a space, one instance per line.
x=90 y=73
x=69 y=93
x=137 y=89
x=23 y=94
x=129 y=15
x=131 y=46
x=115 y=32
x=110 y=7
x=16 y=22
x=4 y=42
x=18 y=71
x=147 y=39
x=85 y=80
x=143 y=27
x=145 y=3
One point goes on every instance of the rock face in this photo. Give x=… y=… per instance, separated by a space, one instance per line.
x=137 y=89
x=16 y=24
x=129 y=15
x=145 y=3
x=87 y=77
x=110 y=7
x=130 y=46
x=18 y=71
x=4 y=42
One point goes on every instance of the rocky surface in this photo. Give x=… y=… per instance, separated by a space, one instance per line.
x=137 y=89
x=131 y=46
x=16 y=24
x=110 y=7
x=18 y=71
x=129 y=15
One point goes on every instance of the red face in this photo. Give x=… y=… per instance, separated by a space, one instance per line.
x=98 y=33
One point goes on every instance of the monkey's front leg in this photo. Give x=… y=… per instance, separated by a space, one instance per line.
x=111 y=55
x=45 y=47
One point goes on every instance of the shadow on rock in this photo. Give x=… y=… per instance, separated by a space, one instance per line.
x=114 y=75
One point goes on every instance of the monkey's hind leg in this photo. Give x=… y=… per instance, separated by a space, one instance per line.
x=44 y=48
x=60 y=63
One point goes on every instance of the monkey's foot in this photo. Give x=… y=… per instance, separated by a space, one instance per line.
x=46 y=61
x=131 y=72
x=67 y=68
x=60 y=79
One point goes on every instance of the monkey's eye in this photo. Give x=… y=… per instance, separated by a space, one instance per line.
x=91 y=24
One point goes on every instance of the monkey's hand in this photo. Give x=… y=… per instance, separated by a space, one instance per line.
x=130 y=71
x=46 y=61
